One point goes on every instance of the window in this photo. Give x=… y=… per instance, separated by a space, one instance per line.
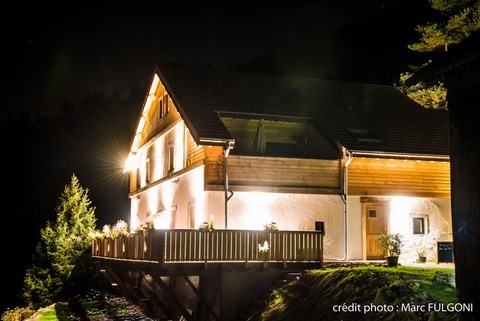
x=418 y=224
x=149 y=165
x=137 y=179
x=148 y=171
x=160 y=109
x=282 y=149
x=166 y=107
x=372 y=213
x=163 y=107
x=171 y=158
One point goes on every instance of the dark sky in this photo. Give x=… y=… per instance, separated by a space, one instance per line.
x=62 y=51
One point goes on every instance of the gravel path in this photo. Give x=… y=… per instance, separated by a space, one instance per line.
x=132 y=313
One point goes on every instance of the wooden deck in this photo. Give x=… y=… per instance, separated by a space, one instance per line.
x=158 y=270
x=169 y=248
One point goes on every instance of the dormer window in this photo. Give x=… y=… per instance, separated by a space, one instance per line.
x=365 y=135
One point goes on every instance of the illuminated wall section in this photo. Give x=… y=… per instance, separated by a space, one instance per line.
x=134 y=219
x=251 y=210
x=354 y=227
x=437 y=224
x=157 y=201
x=434 y=211
x=170 y=202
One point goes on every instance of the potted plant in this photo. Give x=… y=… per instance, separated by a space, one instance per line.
x=392 y=245
x=422 y=255
x=206 y=227
x=271 y=227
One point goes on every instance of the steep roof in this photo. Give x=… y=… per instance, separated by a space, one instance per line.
x=345 y=110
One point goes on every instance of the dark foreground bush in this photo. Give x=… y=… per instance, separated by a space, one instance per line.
x=17 y=314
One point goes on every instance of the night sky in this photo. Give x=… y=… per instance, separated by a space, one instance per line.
x=63 y=64
x=63 y=51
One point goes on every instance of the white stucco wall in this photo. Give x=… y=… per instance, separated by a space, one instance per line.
x=354 y=236
x=251 y=210
x=437 y=220
x=168 y=203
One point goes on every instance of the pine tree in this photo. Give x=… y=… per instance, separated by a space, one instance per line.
x=62 y=254
x=457 y=19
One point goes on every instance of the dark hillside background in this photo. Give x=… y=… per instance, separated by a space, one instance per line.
x=90 y=139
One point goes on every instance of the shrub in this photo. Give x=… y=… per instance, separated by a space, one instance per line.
x=391 y=243
x=17 y=314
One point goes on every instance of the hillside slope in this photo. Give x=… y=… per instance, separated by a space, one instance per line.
x=366 y=293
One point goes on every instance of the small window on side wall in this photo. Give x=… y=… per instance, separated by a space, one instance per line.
x=171 y=158
x=138 y=182
x=418 y=224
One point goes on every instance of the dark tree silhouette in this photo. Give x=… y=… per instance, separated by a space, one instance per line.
x=461 y=68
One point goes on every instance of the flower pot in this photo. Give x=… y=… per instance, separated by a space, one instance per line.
x=392 y=261
x=422 y=259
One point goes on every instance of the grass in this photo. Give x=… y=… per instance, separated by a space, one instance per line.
x=364 y=293
x=56 y=312
x=95 y=303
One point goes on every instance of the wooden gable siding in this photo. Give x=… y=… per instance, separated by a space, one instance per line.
x=157 y=123
x=274 y=174
x=399 y=177
x=214 y=169
x=194 y=153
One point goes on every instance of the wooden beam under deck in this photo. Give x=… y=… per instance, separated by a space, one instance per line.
x=144 y=267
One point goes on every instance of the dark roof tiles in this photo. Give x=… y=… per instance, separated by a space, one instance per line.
x=402 y=125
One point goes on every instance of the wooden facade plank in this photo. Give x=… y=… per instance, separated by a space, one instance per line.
x=368 y=176
x=269 y=171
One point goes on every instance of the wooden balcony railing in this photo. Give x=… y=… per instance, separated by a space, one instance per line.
x=196 y=246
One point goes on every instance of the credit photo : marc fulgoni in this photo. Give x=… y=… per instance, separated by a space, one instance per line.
x=404 y=307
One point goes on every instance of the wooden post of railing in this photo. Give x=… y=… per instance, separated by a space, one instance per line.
x=205 y=243
x=321 y=249
x=147 y=245
x=139 y=245
x=158 y=246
